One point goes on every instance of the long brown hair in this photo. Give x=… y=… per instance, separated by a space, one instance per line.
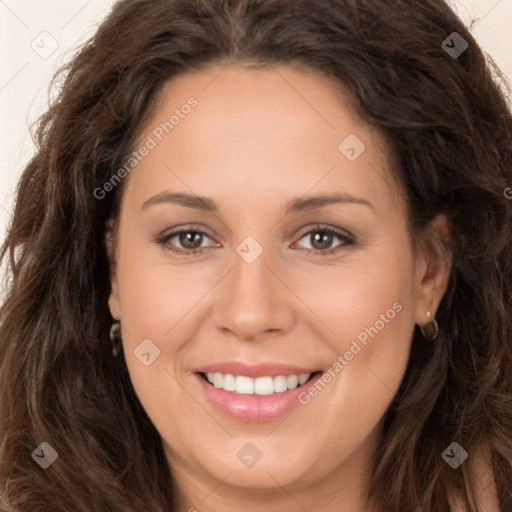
x=450 y=131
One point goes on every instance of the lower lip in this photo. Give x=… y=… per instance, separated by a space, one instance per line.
x=255 y=408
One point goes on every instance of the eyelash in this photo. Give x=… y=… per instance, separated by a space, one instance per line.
x=347 y=240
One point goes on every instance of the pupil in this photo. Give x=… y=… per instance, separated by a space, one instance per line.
x=326 y=237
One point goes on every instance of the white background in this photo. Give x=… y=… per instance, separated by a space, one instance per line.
x=25 y=76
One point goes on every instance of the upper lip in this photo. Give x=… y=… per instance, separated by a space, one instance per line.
x=253 y=370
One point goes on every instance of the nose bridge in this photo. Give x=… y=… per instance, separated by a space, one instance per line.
x=250 y=276
x=251 y=287
x=253 y=301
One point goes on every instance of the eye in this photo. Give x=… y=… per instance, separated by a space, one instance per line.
x=190 y=240
x=322 y=237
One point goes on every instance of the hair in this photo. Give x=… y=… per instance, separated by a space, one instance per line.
x=449 y=129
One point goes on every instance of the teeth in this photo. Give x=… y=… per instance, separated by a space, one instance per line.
x=229 y=383
x=303 y=378
x=280 y=384
x=292 y=381
x=264 y=386
x=261 y=386
x=218 y=380
x=244 y=385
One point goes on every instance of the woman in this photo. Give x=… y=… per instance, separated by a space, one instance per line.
x=170 y=343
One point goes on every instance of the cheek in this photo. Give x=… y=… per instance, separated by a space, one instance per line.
x=156 y=305
x=366 y=296
x=156 y=295
x=367 y=317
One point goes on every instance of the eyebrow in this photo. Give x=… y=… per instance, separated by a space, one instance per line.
x=297 y=205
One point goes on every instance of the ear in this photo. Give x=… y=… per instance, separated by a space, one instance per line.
x=433 y=266
x=110 y=245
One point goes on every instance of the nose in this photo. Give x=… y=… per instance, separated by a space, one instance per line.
x=255 y=301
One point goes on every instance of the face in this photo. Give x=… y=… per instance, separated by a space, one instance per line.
x=296 y=267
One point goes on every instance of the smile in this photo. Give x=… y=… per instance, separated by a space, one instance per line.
x=254 y=393
x=262 y=386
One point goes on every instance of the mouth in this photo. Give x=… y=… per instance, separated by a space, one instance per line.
x=261 y=386
x=254 y=393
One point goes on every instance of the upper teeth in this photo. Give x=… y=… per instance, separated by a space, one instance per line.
x=260 y=386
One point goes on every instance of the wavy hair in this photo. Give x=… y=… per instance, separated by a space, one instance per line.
x=450 y=132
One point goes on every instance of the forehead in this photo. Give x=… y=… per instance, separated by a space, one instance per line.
x=266 y=133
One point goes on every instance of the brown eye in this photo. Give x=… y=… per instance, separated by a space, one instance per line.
x=322 y=237
x=183 y=241
x=190 y=239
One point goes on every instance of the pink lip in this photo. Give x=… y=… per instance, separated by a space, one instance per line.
x=255 y=370
x=254 y=408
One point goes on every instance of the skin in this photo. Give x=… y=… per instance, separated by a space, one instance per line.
x=255 y=141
